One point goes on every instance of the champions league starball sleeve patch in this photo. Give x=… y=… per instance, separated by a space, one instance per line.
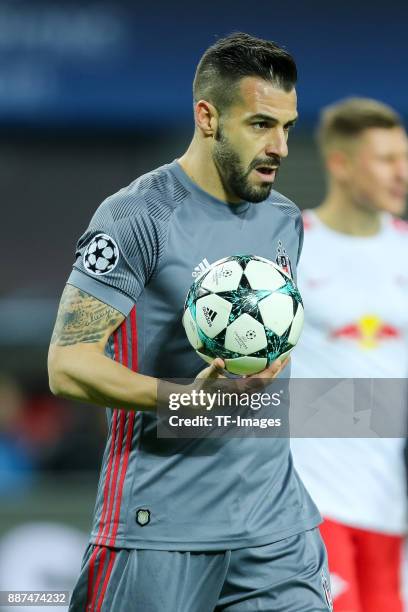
x=101 y=255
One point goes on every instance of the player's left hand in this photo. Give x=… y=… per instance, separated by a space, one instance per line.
x=214 y=370
x=257 y=382
x=273 y=370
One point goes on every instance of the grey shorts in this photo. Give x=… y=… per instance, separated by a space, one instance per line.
x=287 y=576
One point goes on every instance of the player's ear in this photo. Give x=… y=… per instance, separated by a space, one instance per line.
x=338 y=163
x=206 y=118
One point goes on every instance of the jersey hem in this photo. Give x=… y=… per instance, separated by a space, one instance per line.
x=212 y=545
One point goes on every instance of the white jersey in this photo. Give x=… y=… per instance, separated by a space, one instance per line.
x=355 y=292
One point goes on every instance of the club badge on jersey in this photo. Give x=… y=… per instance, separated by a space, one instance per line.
x=143 y=516
x=282 y=259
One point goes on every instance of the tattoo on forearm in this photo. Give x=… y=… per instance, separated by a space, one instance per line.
x=82 y=318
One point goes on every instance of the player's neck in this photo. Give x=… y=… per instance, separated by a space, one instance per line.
x=342 y=215
x=200 y=167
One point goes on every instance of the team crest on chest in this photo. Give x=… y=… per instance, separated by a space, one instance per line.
x=282 y=259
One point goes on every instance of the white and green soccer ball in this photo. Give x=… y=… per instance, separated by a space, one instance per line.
x=246 y=310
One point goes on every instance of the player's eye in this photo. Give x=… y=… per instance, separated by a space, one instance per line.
x=260 y=125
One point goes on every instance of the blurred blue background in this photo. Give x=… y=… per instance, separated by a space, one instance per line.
x=92 y=94
x=121 y=65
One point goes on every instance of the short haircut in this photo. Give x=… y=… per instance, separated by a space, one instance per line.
x=344 y=121
x=238 y=56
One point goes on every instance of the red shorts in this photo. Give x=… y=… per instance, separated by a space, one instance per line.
x=365 y=568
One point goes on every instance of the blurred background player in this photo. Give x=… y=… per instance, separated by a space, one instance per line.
x=354 y=281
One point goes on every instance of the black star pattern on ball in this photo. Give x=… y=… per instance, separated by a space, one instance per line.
x=243 y=260
x=245 y=300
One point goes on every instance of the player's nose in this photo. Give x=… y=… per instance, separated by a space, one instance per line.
x=277 y=145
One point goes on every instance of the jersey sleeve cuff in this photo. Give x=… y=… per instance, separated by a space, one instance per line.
x=100 y=291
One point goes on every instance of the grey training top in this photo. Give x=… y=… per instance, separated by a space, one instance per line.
x=182 y=494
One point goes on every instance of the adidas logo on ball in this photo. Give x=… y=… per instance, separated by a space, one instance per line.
x=209 y=315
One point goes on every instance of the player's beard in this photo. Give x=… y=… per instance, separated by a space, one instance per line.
x=234 y=178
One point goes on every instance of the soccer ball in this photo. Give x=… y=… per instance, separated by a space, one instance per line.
x=246 y=310
x=101 y=255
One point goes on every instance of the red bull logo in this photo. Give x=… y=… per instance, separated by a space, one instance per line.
x=368 y=331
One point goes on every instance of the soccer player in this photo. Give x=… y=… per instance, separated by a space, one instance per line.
x=190 y=525
x=354 y=281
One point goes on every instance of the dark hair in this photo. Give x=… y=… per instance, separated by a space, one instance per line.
x=343 y=121
x=237 y=56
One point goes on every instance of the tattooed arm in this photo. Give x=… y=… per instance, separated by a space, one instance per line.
x=83 y=318
x=77 y=366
